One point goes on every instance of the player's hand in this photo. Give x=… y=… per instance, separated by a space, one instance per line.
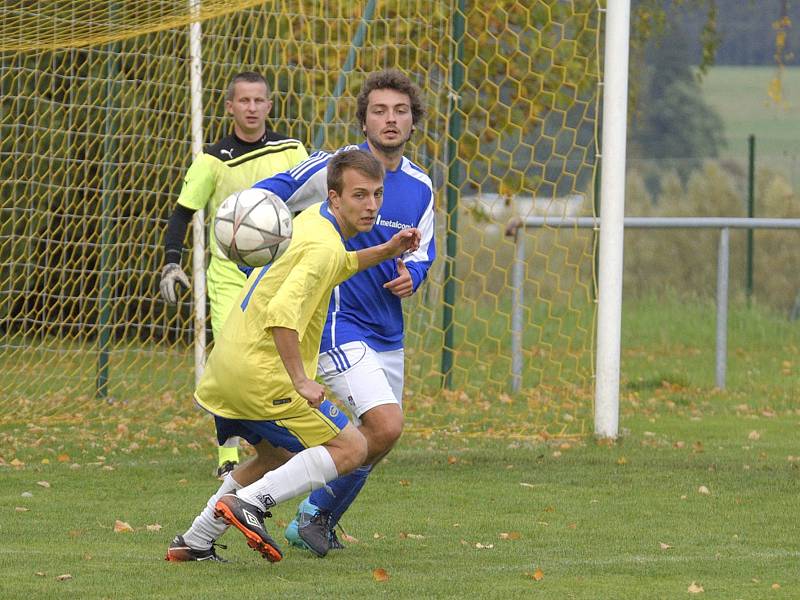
x=312 y=391
x=171 y=276
x=405 y=240
x=401 y=286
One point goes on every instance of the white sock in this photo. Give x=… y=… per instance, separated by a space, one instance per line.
x=304 y=472
x=206 y=529
x=231 y=442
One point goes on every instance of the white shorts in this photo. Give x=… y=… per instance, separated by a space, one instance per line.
x=361 y=378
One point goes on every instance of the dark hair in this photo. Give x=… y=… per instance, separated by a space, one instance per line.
x=245 y=76
x=357 y=159
x=389 y=79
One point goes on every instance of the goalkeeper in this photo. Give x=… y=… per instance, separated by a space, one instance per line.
x=251 y=152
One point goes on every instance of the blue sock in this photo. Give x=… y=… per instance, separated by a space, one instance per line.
x=339 y=494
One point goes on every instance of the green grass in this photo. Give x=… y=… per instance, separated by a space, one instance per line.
x=474 y=500
x=740 y=95
x=591 y=517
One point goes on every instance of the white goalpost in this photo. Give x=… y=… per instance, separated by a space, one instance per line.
x=198 y=221
x=612 y=213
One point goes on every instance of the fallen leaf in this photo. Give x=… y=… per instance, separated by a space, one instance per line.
x=572 y=526
x=523 y=484
x=695 y=588
x=40 y=574
x=21 y=509
x=377 y=536
x=380 y=575
x=154 y=527
x=698 y=447
x=411 y=536
x=776 y=586
x=349 y=539
x=513 y=535
x=664 y=546
x=556 y=453
x=480 y=546
x=63 y=458
x=622 y=460
x=451 y=460
x=537 y=575
x=64 y=577
x=44 y=484
x=17 y=463
x=122 y=527
x=45 y=461
x=703 y=490
x=26 y=495
x=404 y=482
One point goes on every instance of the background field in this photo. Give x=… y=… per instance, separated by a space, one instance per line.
x=740 y=96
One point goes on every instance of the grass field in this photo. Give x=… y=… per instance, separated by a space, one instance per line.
x=740 y=96
x=700 y=490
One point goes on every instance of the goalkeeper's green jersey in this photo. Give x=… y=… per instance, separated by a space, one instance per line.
x=229 y=166
x=245 y=377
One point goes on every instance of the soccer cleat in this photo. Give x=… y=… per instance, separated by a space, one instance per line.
x=179 y=551
x=305 y=512
x=225 y=468
x=249 y=519
x=335 y=544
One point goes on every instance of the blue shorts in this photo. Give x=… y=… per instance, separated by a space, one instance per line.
x=311 y=428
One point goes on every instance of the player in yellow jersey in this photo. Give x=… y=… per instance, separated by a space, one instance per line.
x=256 y=382
x=250 y=153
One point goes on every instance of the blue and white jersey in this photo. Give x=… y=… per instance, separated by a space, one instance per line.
x=361 y=309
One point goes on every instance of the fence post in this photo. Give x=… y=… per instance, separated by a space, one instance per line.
x=723 y=260
x=751 y=212
x=517 y=301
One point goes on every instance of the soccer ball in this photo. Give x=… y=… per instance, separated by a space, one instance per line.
x=253 y=227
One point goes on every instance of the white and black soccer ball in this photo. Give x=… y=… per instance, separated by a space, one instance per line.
x=253 y=227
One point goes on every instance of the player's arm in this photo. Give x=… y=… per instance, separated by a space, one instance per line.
x=287 y=342
x=413 y=269
x=198 y=186
x=303 y=185
x=406 y=240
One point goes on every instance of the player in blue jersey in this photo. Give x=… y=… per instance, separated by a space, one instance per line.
x=361 y=355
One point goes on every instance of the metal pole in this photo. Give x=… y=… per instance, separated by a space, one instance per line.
x=453 y=190
x=723 y=262
x=349 y=65
x=517 y=302
x=110 y=174
x=198 y=222
x=612 y=208
x=751 y=203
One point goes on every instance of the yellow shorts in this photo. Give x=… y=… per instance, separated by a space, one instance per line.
x=300 y=428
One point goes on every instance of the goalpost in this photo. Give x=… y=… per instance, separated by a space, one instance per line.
x=612 y=213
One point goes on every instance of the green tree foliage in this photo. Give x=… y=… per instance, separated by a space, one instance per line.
x=670 y=118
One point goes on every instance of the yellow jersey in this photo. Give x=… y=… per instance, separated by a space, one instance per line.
x=229 y=166
x=245 y=377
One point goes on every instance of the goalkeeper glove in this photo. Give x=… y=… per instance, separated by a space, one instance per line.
x=171 y=276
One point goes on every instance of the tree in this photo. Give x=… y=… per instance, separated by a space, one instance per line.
x=670 y=119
